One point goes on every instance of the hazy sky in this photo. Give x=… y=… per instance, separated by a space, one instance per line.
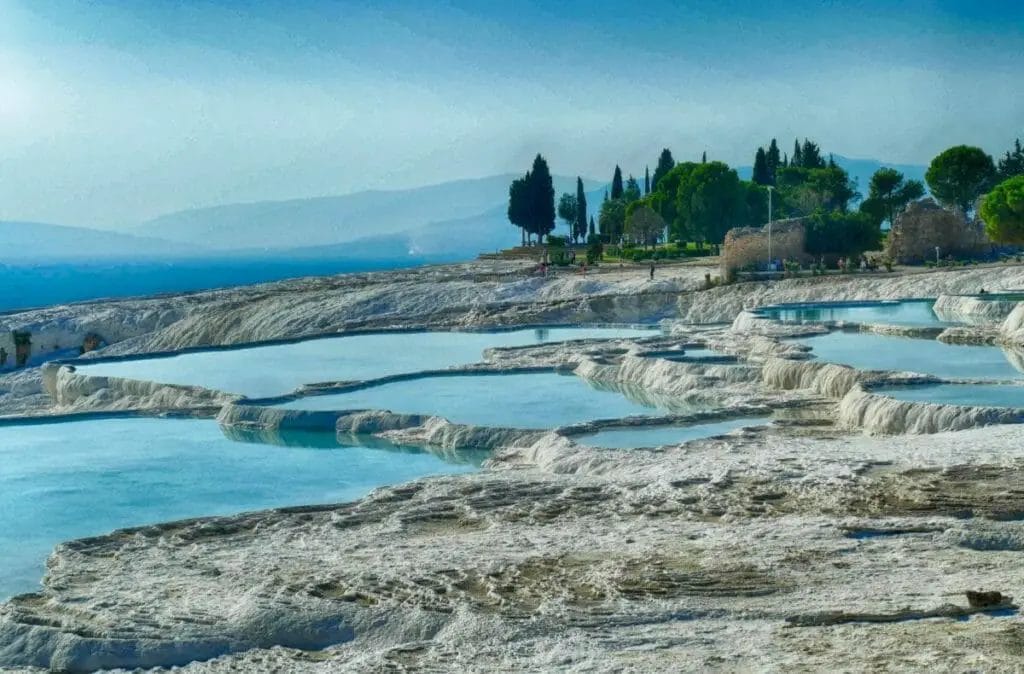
x=114 y=112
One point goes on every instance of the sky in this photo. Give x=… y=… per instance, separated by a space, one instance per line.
x=112 y=113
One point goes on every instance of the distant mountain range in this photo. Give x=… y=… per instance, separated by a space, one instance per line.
x=452 y=220
x=333 y=220
x=34 y=241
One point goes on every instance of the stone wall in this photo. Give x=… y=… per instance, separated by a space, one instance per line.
x=923 y=225
x=746 y=246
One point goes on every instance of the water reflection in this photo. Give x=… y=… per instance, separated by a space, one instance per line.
x=332 y=440
x=907 y=312
x=649 y=399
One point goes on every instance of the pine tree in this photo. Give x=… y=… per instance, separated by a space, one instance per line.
x=647 y=179
x=798 y=159
x=762 y=175
x=665 y=164
x=580 y=231
x=773 y=159
x=1012 y=163
x=617 y=183
x=810 y=155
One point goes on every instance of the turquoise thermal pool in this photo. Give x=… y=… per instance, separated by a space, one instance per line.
x=278 y=369
x=533 y=400
x=904 y=312
x=979 y=395
x=656 y=436
x=869 y=351
x=61 y=481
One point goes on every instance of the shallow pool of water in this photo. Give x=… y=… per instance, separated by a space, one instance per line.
x=869 y=351
x=982 y=395
x=906 y=312
x=656 y=436
x=534 y=400
x=264 y=371
x=70 y=480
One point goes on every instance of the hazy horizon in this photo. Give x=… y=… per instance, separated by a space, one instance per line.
x=113 y=115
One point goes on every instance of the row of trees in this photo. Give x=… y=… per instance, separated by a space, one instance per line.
x=701 y=201
x=768 y=164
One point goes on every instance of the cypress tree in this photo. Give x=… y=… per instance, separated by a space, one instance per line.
x=785 y=161
x=831 y=161
x=517 y=205
x=797 y=159
x=665 y=164
x=617 y=183
x=774 y=161
x=632 y=191
x=580 y=230
x=704 y=157
x=762 y=175
x=647 y=180
x=592 y=231
x=542 y=199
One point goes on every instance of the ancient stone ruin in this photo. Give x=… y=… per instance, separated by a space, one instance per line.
x=747 y=247
x=924 y=225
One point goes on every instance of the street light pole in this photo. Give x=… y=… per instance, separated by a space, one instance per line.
x=770 y=189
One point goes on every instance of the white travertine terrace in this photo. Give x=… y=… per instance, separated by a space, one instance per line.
x=818 y=541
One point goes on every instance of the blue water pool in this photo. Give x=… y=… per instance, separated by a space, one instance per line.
x=869 y=351
x=904 y=312
x=536 y=400
x=656 y=436
x=264 y=371
x=982 y=395
x=70 y=480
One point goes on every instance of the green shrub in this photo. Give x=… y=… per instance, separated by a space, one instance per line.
x=1003 y=211
x=595 y=249
x=846 y=234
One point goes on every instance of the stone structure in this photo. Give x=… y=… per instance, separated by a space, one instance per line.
x=924 y=225
x=748 y=246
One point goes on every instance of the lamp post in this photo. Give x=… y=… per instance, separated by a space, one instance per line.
x=770 y=190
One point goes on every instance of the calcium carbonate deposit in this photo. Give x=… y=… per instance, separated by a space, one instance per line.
x=754 y=506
